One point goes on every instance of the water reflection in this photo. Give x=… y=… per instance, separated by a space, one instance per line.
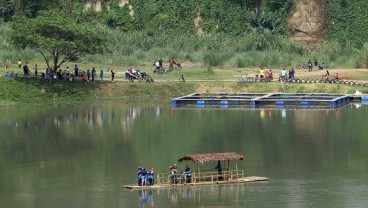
x=357 y=105
x=92 y=117
x=283 y=113
x=203 y=195
x=145 y=198
x=75 y=148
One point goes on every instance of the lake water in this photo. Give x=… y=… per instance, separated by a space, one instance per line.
x=80 y=156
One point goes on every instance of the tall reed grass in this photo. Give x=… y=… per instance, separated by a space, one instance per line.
x=9 y=52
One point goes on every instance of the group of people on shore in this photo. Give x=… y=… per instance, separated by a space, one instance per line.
x=326 y=76
x=158 y=66
x=269 y=75
x=288 y=76
x=66 y=74
x=315 y=65
x=86 y=76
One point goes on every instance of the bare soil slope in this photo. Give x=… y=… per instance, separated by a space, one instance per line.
x=306 y=22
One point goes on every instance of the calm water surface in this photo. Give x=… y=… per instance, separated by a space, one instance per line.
x=79 y=156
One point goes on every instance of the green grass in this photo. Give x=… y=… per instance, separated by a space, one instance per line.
x=30 y=90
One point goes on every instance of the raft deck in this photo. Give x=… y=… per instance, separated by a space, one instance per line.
x=206 y=183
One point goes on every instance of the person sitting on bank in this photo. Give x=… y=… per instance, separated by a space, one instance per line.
x=8 y=75
x=261 y=73
x=219 y=170
x=337 y=75
x=174 y=173
x=188 y=174
x=84 y=78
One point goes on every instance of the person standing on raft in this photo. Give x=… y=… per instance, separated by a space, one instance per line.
x=219 y=170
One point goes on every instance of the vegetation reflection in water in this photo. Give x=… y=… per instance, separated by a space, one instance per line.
x=193 y=196
x=50 y=154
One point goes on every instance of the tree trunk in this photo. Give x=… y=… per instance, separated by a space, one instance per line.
x=56 y=59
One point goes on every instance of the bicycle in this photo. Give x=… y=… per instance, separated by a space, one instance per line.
x=246 y=78
x=181 y=78
x=176 y=67
x=301 y=65
x=283 y=79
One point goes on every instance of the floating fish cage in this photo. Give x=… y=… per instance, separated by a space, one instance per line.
x=302 y=100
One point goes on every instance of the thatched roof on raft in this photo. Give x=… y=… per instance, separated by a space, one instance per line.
x=201 y=158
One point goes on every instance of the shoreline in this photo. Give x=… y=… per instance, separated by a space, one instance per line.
x=24 y=90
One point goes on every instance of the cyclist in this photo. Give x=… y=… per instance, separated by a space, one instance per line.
x=157 y=65
x=171 y=62
x=283 y=76
x=327 y=75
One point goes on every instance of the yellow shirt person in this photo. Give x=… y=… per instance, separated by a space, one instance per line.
x=261 y=73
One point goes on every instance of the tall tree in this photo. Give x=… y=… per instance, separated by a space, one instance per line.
x=57 y=38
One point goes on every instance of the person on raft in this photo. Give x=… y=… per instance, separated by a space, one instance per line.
x=142 y=176
x=150 y=180
x=174 y=173
x=188 y=174
x=219 y=170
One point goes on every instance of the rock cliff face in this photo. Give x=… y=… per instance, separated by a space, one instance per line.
x=97 y=6
x=198 y=22
x=306 y=22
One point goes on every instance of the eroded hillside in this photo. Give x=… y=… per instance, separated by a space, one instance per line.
x=306 y=22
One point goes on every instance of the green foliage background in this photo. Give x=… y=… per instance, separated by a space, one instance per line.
x=229 y=16
x=241 y=33
x=348 y=21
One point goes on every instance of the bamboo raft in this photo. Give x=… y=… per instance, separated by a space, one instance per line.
x=204 y=183
x=203 y=178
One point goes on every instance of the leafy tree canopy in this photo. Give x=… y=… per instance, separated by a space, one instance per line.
x=57 y=38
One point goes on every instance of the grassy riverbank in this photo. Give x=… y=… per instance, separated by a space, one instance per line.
x=28 y=90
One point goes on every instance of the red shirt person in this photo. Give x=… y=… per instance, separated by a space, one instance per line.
x=337 y=76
